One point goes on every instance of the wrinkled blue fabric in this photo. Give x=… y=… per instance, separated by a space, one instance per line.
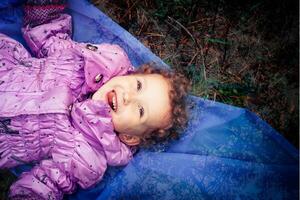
x=225 y=153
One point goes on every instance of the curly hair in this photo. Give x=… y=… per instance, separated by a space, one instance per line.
x=179 y=87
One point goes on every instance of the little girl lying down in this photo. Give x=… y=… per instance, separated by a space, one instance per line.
x=76 y=108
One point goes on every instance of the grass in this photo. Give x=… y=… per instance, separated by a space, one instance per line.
x=243 y=53
x=6 y=180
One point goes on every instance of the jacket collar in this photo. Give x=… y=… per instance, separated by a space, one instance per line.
x=102 y=62
x=93 y=119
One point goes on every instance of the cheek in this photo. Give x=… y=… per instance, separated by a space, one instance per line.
x=122 y=121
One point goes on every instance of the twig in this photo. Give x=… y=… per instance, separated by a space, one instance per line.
x=173 y=26
x=196 y=54
x=195 y=41
x=225 y=46
x=172 y=55
x=203 y=61
x=141 y=28
x=243 y=69
x=186 y=30
x=154 y=34
x=197 y=21
x=129 y=9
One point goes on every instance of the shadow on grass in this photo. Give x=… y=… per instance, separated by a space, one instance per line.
x=6 y=179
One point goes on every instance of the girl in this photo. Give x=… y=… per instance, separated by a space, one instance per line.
x=77 y=107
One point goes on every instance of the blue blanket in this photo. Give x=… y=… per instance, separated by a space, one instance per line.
x=225 y=153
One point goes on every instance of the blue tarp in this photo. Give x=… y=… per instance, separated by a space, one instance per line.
x=226 y=152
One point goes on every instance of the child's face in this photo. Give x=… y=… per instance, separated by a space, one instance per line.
x=139 y=103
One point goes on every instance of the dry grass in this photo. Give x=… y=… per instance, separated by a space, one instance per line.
x=240 y=53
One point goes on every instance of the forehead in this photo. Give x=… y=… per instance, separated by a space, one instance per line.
x=155 y=97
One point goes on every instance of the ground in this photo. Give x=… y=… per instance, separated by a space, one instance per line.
x=243 y=53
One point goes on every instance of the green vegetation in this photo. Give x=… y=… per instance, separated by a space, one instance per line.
x=243 y=53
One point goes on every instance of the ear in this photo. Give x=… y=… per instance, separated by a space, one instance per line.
x=130 y=140
x=162 y=132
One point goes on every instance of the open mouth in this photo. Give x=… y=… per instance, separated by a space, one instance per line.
x=112 y=100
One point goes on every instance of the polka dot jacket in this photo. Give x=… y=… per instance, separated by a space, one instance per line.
x=44 y=118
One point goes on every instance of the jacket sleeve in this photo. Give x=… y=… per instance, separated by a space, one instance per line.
x=49 y=38
x=51 y=179
x=38 y=12
x=116 y=152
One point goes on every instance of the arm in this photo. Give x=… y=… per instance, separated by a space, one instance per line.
x=52 y=178
x=46 y=30
x=49 y=179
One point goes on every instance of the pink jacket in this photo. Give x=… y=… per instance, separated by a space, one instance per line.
x=47 y=114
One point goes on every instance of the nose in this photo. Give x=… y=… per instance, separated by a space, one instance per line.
x=126 y=98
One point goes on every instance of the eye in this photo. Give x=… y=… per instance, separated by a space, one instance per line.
x=141 y=111
x=138 y=85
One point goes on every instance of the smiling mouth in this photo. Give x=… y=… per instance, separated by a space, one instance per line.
x=112 y=100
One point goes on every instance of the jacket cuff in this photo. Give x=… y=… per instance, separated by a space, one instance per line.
x=35 y=15
x=45 y=2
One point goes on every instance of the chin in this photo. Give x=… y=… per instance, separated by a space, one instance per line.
x=97 y=96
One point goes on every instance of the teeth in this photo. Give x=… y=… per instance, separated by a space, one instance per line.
x=114 y=102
